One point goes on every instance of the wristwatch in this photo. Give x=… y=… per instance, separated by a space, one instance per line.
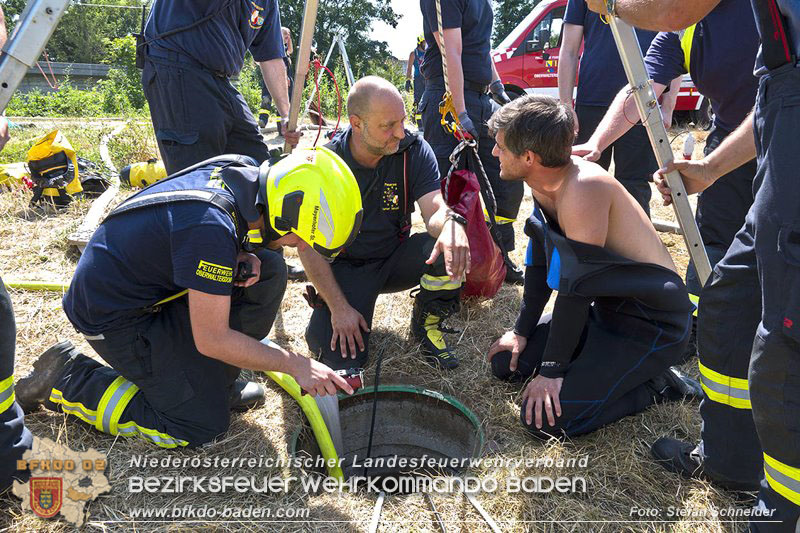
x=455 y=217
x=611 y=7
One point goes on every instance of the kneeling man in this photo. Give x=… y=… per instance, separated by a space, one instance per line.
x=394 y=169
x=622 y=314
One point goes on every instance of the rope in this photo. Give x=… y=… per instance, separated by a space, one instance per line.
x=53 y=85
x=317 y=67
x=442 y=50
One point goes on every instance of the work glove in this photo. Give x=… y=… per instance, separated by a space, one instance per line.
x=499 y=92
x=467 y=124
x=408 y=85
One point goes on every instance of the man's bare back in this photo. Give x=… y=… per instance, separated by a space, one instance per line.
x=592 y=207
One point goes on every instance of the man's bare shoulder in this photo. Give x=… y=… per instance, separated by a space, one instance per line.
x=587 y=182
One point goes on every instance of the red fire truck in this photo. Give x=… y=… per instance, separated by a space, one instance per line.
x=527 y=60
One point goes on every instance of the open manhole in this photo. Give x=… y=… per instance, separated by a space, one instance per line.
x=431 y=431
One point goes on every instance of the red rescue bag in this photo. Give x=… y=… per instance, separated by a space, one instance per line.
x=461 y=190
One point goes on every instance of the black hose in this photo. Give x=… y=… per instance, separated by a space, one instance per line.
x=374 y=407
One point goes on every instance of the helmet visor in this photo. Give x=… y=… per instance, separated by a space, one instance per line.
x=330 y=253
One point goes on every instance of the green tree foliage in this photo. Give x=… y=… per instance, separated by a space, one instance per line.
x=507 y=14
x=81 y=34
x=351 y=18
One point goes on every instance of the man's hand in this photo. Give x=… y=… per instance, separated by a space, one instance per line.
x=255 y=268
x=511 y=342
x=542 y=392
x=292 y=137
x=467 y=124
x=453 y=243
x=316 y=378
x=695 y=175
x=347 y=324
x=588 y=150
x=598 y=6
x=499 y=92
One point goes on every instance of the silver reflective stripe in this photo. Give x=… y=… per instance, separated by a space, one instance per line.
x=158 y=439
x=325 y=222
x=112 y=404
x=94 y=337
x=790 y=483
x=733 y=392
x=204 y=195
x=69 y=409
x=6 y=394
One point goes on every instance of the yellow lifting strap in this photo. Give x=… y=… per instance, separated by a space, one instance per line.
x=450 y=121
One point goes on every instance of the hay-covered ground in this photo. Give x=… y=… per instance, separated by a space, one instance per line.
x=620 y=475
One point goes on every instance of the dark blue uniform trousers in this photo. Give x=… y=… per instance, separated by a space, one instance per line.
x=159 y=386
x=728 y=314
x=14 y=437
x=196 y=114
x=363 y=281
x=774 y=375
x=721 y=209
x=480 y=108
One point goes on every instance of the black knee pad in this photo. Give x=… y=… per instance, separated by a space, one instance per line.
x=500 y=366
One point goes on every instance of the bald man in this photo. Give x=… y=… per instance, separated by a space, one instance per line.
x=394 y=169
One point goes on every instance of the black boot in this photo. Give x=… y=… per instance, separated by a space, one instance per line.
x=34 y=389
x=514 y=274
x=246 y=395
x=686 y=459
x=683 y=458
x=296 y=272
x=427 y=327
x=673 y=385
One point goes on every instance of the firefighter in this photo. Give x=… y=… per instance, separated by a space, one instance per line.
x=14 y=436
x=467 y=26
x=414 y=64
x=192 y=51
x=394 y=169
x=175 y=358
x=728 y=308
x=601 y=77
x=622 y=315
x=767 y=257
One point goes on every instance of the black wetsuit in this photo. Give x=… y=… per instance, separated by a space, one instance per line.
x=616 y=325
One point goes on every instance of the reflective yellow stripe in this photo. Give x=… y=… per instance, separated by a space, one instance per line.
x=686 y=45
x=73 y=408
x=254 y=236
x=113 y=402
x=50 y=191
x=498 y=218
x=784 y=479
x=696 y=301
x=6 y=393
x=438 y=283
x=126 y=429
x=120 y=407
x=130 y=429
x=725 y=389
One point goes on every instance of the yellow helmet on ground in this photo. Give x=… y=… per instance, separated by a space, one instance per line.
x=313 y=194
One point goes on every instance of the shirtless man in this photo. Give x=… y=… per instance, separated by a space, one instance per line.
x=622 y=313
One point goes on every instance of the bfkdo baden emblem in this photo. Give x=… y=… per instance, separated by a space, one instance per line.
x=46 y=495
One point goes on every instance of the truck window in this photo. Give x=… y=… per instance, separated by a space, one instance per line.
x=546 y=34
